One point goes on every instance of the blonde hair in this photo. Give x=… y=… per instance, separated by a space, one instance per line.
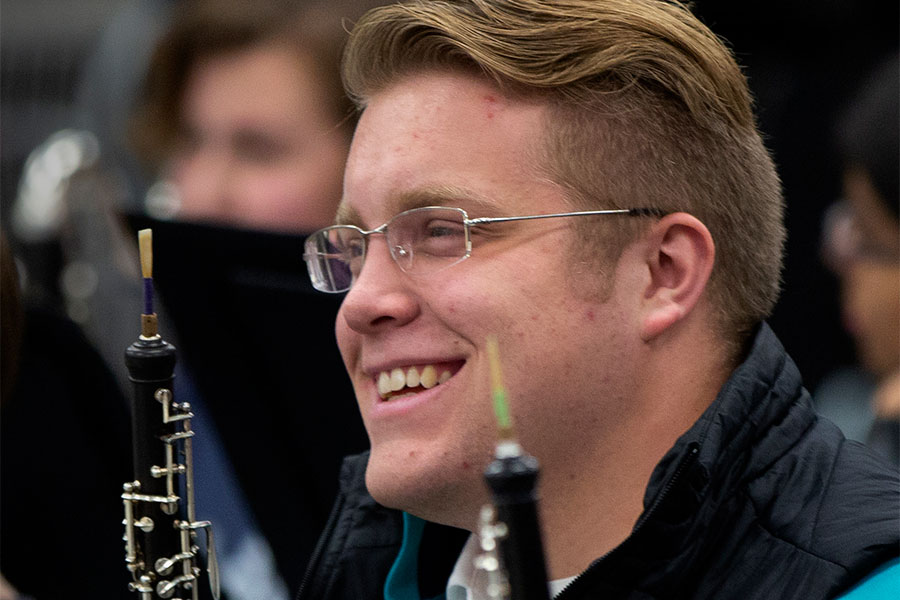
x=647 y=109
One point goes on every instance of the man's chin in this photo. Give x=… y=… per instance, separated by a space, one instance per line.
x=384 y=494
x=390 y=480
x=397 y=484
x=431 y=495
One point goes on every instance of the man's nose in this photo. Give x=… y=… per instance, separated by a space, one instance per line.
x=382 y=295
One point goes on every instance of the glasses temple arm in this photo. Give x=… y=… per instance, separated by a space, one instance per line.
x=613 y=211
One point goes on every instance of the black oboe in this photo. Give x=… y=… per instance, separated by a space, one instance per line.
x=512 y=477
x=160 y=525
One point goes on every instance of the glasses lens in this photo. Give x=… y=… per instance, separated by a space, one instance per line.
x=846 y=241
x=334 y=257
x=424 y=240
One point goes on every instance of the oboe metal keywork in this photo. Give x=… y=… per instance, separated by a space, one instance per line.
x=160 y=522
x=490 y=532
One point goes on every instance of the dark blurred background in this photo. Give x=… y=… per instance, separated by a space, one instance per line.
x=802 y=60
x=44 y=45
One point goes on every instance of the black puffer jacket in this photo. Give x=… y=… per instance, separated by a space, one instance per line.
x=760 y=499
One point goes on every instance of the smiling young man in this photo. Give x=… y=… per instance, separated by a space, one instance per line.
x=675 y=439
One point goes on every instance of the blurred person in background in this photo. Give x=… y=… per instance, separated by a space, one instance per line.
x=261 y=126
x=862 y=246
x=246 y=126
x=243 y=123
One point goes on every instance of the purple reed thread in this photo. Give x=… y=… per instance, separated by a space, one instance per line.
x=148 y=295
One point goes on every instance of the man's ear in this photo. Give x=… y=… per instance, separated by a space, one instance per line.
x=680 y=257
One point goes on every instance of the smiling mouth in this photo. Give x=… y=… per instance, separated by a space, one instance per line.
x=406 y=381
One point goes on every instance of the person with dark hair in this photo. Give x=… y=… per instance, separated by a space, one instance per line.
x=583 y=182
x=862 y=246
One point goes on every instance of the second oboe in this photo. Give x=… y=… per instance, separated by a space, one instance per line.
x=510 y=529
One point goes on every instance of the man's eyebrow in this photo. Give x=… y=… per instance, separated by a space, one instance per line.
x=444 y=195
x=451 y=196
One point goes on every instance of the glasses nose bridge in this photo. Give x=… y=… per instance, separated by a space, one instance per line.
x=363 y=235
x=382 y=230
x=400 y=254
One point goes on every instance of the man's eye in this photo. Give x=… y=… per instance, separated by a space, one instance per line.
x=441 y=238
x=439 y=229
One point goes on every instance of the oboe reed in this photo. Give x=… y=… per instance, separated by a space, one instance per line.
x=498 y=391
x=149 y=325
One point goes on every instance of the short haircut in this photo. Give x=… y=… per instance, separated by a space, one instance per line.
x=648 y=108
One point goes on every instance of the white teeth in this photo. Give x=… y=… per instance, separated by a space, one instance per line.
x=412 y=377
x=396 y=379
x=384 y=383
x=428 y=378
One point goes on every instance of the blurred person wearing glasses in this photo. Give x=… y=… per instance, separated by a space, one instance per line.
x=862 y=246
x=585 y=181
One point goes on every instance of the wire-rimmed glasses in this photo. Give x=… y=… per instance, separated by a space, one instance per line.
x=421 y=241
